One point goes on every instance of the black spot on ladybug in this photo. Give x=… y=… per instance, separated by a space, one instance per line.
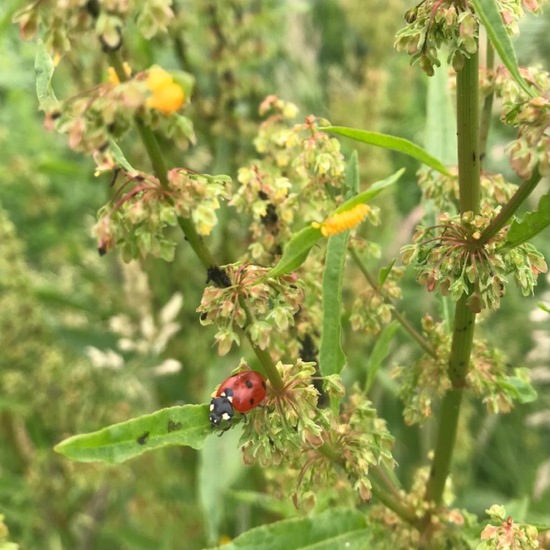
x=249 y=384
x=142 y=439
x=251 y=401
x=173 y=426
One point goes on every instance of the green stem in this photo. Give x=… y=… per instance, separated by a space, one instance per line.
x=467 y=92
x=156 y=157
x=416 y=336
x=461 y=348
x=464 y=320
x=263 y=356
x=487 y=109
x=193 y=238
x=387 y=495
x=508 y=210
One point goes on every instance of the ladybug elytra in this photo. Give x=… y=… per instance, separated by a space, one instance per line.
x=241 y=392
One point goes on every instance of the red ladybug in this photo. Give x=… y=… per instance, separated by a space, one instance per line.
x=241 y=392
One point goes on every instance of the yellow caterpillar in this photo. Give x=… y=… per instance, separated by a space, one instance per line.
x=338 y=223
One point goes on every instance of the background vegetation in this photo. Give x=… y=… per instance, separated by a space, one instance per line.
x=86 y=341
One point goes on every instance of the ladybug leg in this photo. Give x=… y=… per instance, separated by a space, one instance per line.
x=244 y=418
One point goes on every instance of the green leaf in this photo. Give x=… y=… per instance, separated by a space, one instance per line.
x=334 y=528
x=119 y=157
x=370 y=193
x=43 y=68
x=489 y=14
x=390 y=142
x=331 y=355
x=380 y=352
x=440 y=132
x=532 y=224
x=524 y=391
x=187 y=425
x=296 y=251
x=384 y=272
x=214 y=483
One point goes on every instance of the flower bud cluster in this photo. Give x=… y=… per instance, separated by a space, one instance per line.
x=288 y=420
x=449 y=257
x=372 y=309
x=432 y=23
x=106 y=112
x=507 y=533
x=443 y=188
x=427 y=379
x=531 y=116
x=312 y=442
x=136 y=219
x=450 y=525
x=298 y=161
x=261 y=306
x=197 y=196
x=65 y=22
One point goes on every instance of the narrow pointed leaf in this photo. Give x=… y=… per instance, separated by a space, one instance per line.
x=118 y=155
x=380 y=352
x=296 y=251
x=187 y=425
x=335 y=528
x=394 y=143
x=489 y=14
x=532 y=224
x=370 y=193
x=44 y=68
x=384 y=272
x=331 y=355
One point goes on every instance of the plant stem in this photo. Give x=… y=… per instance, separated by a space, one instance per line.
x=263 y=356
x=193 y=238
x=390 y=498
x=428 y=348
x=467 y=112
x=459 y=360
x=508 y=210
x=464 y=320
x=156 y=157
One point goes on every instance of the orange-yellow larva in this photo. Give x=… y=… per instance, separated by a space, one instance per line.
x=338 y=223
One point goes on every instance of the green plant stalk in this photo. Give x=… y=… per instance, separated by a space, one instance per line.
x=509 y=209
x=464 y=320
x=156 y=157
x=467 y=112
x=390 y=498
x=197 y=244
x=263 y=356
x=400 y=318
x=461 y=349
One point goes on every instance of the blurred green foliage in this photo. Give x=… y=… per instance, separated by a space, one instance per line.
x=58 y=299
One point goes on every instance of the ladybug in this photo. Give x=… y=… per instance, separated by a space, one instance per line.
x=241 y=392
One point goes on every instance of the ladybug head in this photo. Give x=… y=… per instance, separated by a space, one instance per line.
x=221 y=409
